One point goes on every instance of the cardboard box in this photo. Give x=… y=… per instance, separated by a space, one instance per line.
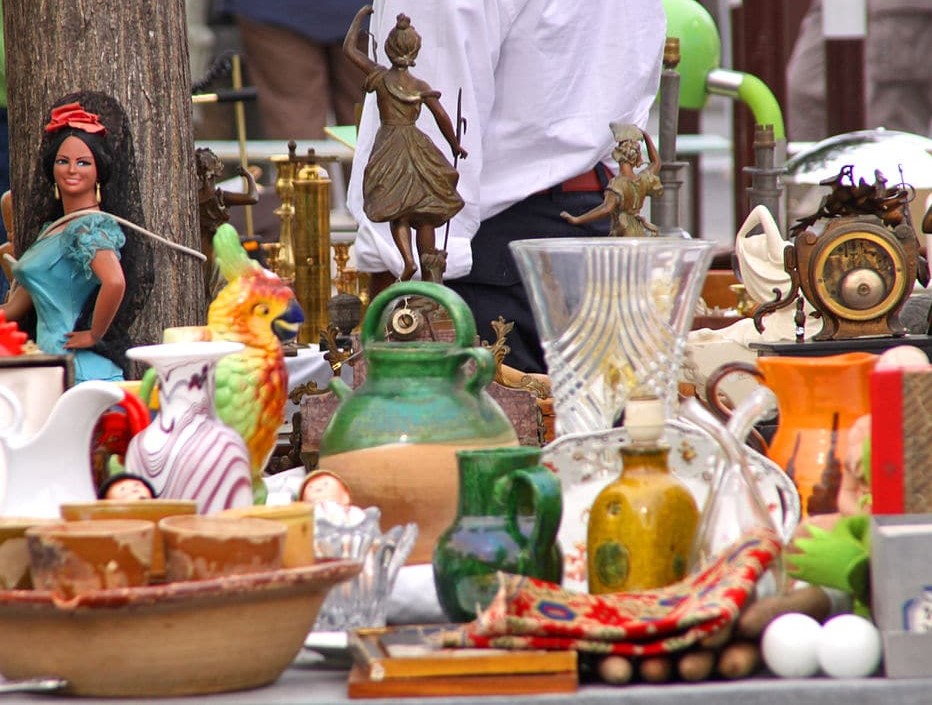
x=901 y=592
x=907 y=655
x=901 y=441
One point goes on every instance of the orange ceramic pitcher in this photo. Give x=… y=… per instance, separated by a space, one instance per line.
x=819 y=399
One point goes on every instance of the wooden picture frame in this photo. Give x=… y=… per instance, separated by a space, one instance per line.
x=413 y=660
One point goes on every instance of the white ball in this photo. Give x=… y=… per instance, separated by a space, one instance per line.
x=849 y=647
x=788 y=645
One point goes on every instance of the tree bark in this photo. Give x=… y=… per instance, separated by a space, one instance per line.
x=137 y=52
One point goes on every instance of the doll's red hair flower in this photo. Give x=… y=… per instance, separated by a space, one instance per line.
x=73 y=115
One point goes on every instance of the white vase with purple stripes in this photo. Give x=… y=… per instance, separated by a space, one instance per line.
x=187 y=452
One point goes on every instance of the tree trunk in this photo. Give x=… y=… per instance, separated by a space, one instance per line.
x=137 y=52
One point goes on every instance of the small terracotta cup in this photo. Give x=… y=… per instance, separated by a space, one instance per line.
x=14 y=553
x=72 y=558
x=147 y=509
x=298 y=517
x=203 y=547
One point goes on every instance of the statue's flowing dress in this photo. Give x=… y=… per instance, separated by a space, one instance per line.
x=407 y=176
x=627 y=219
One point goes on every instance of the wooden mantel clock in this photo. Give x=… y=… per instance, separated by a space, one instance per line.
x=858 y=272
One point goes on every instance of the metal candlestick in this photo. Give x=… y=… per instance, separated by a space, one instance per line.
x=765 y=186
x=665 y=209
x=286 y=165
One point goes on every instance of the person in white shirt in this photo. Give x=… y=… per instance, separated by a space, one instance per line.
x=540 y=81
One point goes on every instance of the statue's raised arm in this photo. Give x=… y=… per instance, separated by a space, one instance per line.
x=351 y=45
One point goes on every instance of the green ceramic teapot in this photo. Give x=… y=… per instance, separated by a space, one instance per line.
x=394 y=439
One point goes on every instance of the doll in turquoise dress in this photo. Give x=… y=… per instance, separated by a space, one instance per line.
x=73 y=275
x=57 y=274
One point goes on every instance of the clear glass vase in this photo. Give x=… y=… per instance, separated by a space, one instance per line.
x=612 y=314
x=354 y=533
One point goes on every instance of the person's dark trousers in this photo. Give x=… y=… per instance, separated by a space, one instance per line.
x=494 y=287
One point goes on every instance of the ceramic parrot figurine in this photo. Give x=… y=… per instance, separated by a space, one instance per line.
x=259 y=310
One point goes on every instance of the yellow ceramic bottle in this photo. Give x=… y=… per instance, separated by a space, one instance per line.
x=642 y=525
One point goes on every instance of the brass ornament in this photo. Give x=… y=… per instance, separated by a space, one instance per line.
x=282 y=261
x=405 y=323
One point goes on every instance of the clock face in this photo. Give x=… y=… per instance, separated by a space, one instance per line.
x=858 y=275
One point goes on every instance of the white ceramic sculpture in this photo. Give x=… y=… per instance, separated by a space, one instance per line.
x=760 y=259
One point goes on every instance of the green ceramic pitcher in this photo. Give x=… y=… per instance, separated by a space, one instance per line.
x=507 y=518
x=394 y=439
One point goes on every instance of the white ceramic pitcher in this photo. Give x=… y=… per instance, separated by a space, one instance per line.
x=40 y=471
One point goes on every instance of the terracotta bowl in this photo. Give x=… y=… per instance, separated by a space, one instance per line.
x=203 y=547
x=73 y=558
x=298 y=517
x=148 y=509
x=14 y=553
x=174 y=639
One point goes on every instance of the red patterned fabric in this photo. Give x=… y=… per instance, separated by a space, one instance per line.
x=534 y=614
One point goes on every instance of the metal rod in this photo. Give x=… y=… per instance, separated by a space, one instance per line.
x=239 y=111
x=665 y=209
x=225 y=96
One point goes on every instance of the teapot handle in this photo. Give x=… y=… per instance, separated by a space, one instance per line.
x=484 y=372
x=463 y=321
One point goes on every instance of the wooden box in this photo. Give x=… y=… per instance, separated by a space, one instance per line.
x=411 y=661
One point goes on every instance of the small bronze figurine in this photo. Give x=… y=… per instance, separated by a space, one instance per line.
x=408 y=182
x=626 y=192
x=212 y=202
